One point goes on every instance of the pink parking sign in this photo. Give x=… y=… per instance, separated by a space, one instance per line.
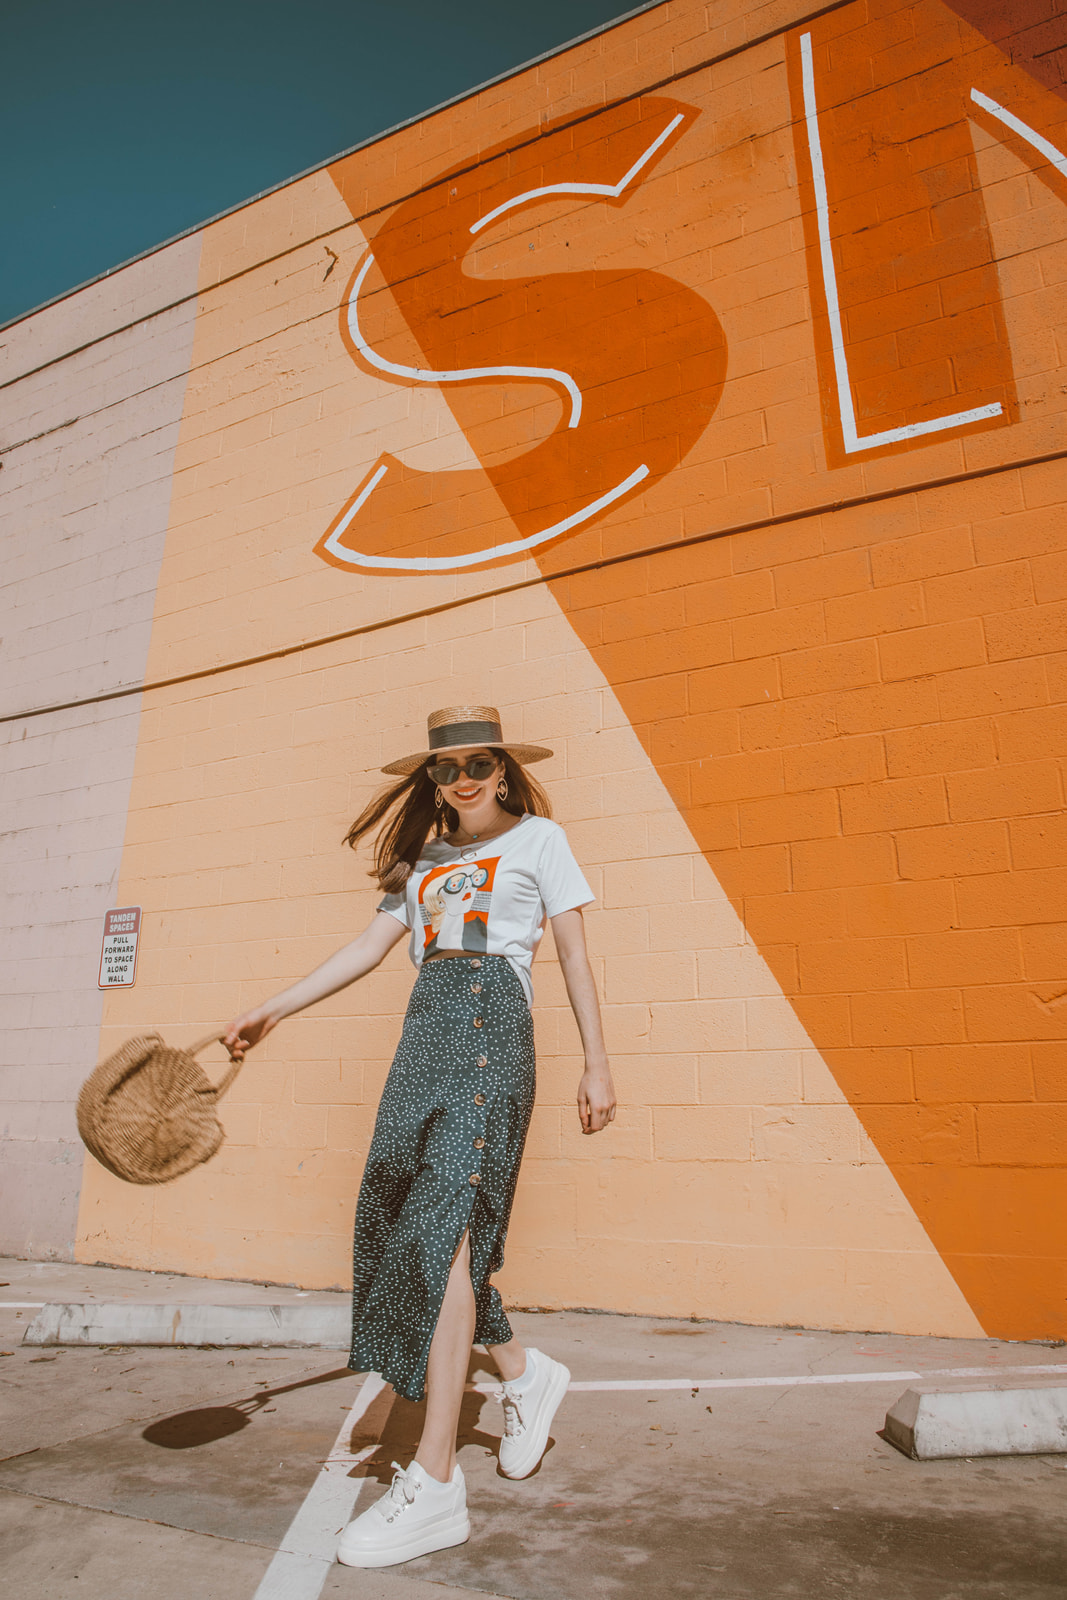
x=118 y=953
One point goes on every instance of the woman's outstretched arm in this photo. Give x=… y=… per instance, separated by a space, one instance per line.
x=596 y=1091
x=353 y=961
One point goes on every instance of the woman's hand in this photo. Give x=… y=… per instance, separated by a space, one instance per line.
x=247 y=1031
x=596 y=1098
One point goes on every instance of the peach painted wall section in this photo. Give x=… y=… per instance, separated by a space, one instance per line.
x=697 y=398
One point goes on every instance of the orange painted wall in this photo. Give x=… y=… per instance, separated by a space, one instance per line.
x=791 y=574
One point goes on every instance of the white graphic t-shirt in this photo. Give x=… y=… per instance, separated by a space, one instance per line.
x=491 y=899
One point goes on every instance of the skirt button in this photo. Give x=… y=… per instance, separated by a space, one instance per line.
x=479 y=1099
x=475 y=1178
x=482 y=1061
x=476 y=963
x=479 y=1144
x=477 y=1022
x=476 y=988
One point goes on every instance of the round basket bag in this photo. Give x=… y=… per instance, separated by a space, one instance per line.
x=148 y=1113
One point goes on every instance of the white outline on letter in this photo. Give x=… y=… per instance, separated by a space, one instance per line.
x=475 y=557
x=1041 y=144
x=462 y=374
x=513 y=547
x=853 y=440
x=611 y=190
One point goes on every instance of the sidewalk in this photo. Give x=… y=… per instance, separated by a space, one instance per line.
x=41 y=1282
x=178 y=1474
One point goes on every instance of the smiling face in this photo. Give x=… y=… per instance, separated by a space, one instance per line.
x=469 y=795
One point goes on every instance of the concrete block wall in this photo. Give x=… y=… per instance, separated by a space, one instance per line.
x=91 y=398
x=736 y=1174
x=802 y=677
x=885 y=814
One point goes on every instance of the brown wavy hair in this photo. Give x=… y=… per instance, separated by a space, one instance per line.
x=416 y=817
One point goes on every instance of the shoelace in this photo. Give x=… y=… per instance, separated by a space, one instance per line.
x=401 y=1491
x=513 y=1423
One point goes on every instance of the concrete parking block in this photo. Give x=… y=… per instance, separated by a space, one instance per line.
x=989 y=1420
x=308 y=1327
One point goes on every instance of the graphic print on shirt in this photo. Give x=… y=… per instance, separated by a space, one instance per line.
x=454 y=906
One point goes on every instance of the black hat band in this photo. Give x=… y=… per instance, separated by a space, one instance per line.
x=454 y=733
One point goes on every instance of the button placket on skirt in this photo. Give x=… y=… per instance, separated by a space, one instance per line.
x=444 y=1159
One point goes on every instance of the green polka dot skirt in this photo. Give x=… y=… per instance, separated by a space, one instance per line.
x=445 y=1157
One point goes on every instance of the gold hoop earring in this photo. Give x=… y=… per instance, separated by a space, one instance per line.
x=502 y=789
x=439 y=798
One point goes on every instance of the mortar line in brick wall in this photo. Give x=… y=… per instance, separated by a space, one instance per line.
x=100 y=411
x=396 y=200
x=826 y=508
x=72 y=422
x=113 y=333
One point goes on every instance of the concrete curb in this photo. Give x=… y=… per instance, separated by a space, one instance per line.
x=315 y=1327
x=999 y=1420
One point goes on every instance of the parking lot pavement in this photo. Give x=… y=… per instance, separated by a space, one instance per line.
x=179 y=1473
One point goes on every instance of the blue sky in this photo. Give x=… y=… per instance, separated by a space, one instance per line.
x=126 y=121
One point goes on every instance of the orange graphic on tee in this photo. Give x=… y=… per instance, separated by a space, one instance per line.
x=454 y=905
x=627 y=366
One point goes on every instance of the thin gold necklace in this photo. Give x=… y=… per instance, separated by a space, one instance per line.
x=474 y=837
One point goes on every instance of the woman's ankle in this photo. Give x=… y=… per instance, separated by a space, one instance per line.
x=438 y=1467
x=511 y=1361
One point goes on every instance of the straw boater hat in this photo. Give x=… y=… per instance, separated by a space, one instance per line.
x=460 y=727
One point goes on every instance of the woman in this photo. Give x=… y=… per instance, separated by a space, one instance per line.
x=473 y=868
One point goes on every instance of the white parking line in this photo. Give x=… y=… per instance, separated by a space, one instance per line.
x=305 y=1555
x=785 y=1380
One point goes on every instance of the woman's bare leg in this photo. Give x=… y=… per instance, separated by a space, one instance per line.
x=446 y=1369
x=509 y=1359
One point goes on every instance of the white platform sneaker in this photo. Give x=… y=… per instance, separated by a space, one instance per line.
x=416 y=1515
x=528 y=1412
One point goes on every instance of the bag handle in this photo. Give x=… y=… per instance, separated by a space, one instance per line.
x=217 y=1036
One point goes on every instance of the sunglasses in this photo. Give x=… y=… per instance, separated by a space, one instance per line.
x=477 y=768
x=458 y=880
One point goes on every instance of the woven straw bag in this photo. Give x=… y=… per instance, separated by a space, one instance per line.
x=148 y=1113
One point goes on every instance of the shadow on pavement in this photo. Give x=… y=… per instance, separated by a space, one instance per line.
x=187 y=1430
